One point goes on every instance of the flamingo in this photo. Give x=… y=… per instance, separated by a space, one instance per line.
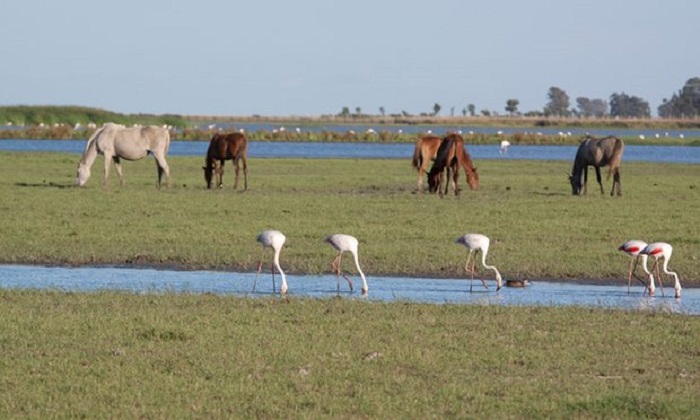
x=634 y=249
x=476 y=242
x=346 y=243
x=272 y=239
x=663 y=250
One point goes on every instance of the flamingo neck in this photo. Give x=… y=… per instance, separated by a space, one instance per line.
x=359 y=270
x=490 y=267
x=276 y=260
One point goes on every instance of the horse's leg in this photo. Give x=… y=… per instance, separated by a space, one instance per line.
x=585 y=181
x=118 y=168
x=245 y=172
x=235 y=171
x=599 y=179
x=421 y=172
x=616 y=182
x=219 y=170
x=108 y=162
x=163 y=168
x=455 y=179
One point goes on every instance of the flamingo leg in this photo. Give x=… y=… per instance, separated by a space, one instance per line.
x=634 y=272
x=629 y=276
x=338 y=262
x=658 y=276
x=466 y=268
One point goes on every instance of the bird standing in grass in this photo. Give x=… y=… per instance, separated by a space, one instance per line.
x=476 y=243
x=272 y=239
x=346 y=243
x=634 y=249
x=656 y=251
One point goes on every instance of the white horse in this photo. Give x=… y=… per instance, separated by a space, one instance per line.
x=116 y=142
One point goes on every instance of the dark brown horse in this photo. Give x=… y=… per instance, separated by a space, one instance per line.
x=427 y=149
x=450 y=156
x=597 y=153
x=223 y=147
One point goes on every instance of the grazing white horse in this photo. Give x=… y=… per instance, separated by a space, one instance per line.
x=116 y=142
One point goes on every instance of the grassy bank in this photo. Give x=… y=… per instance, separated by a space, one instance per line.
x=538 y=229
x=207 y=356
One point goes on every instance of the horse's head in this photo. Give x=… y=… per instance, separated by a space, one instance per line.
x=433 y=181
x=83 y=174
x=208 y=172
x=575 y=184
x=473 y=179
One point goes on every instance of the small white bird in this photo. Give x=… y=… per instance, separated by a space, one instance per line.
x=656 y=251
x=476 y=242
x=346 y=243
x=634 y=249
x=272 y=239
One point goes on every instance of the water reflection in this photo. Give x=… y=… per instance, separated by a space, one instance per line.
x=437 y=291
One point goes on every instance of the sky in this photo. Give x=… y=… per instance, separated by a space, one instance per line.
x=314 y=57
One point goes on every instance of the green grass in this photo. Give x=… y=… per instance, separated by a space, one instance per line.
x=111 y=354
x=183 y=355
x=538 y=229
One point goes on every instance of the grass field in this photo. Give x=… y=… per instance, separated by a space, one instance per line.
x=207 y=356
x=538 y=229
x=111 y=354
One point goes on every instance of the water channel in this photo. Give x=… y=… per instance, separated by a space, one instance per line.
x=357 y=150
x=383 y=289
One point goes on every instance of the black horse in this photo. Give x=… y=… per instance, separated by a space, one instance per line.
x=597 y=153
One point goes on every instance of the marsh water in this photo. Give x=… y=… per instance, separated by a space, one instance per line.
x=359 y=150
x=384 y=289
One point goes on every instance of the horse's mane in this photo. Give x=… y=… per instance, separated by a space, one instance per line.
x=91 y=142
x=444 y=154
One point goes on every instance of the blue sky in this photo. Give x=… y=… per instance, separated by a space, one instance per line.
x=313 y=57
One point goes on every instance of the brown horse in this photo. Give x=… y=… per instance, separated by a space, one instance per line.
x=222 y=147
x=597 y=153
x=427 y=149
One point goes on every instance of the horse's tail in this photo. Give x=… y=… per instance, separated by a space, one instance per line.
x=167 y=141
x=417 y=159
x=616 y=158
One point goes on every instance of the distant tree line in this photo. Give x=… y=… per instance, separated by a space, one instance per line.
x=25 y=115
x=683 y=104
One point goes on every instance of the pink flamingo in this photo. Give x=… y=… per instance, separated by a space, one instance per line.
x=663 y=250
x=272 y=239
x=634 y=249
x=346 y=243
x=476 y=242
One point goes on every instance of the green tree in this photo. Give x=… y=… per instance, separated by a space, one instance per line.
x=381 y=111
x=558 y=104
x=472 y=109
x=591 y=107
x=512 y=106
x=685 y=103
x=623 y=105
x=345 y=112
x=436 y=108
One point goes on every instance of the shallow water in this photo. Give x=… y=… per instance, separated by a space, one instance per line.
x=359 y=150
x=388 y=289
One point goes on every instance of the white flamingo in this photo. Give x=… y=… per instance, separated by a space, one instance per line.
x=634 y=249
x=346 y=243
x=272 y=239
x=476 y=242
x=656 y=251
